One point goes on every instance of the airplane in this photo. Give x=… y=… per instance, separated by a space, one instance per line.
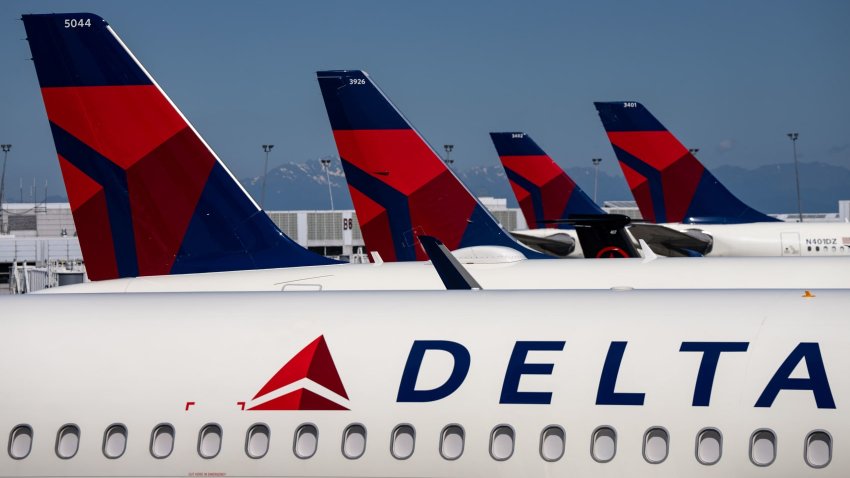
x=148 y=194
x=554 y=204
x=399 y=185
x=549 y=198
x=427 y=384
x=228 y=217
x=673 y=188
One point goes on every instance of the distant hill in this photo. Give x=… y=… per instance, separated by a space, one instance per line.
x=768 y=188
x=772 y=189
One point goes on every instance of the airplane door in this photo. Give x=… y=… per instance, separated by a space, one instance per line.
x=790 y=243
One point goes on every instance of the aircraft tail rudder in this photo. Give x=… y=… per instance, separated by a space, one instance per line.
x=148 y=195
x=400 y=187
x=546 y=194
x=666 y=179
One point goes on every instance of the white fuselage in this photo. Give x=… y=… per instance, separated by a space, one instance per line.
x=661 y=273
x=787 y=239
x=762 y=239
x=583 y=360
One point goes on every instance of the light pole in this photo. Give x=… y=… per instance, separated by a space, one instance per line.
x=793 y=137
x=5 y=148
x=326 y=165
x=596 y=162
x=449 y=148
x=266 y=148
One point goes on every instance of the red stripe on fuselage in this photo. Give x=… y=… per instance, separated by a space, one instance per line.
x=164 y=187
x=123 y=123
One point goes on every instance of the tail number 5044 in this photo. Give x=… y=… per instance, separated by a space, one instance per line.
x=77 y=23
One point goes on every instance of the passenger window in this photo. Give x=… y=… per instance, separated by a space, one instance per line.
x=762 y=447
x=403 y=442
x=306 y=441
x=114 y=441
x=354 y=441
x=162 y=441
x=709 y=446
x=603 y=445
x=502 y=442
x=209 y=441
x=656 y=445
x=818 y=449
x=552 y=442
x=257 y=441
x=451 y=442
x=20 y=442
x=67 y=441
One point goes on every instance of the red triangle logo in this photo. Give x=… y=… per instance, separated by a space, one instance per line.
x=313 y=362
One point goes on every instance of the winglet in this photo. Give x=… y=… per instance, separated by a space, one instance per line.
x=648 y=254
x=666 y=179
x=452 y=273
x=148 y=194
x=543 y=189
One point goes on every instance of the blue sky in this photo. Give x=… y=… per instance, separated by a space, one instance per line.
x=728 y=77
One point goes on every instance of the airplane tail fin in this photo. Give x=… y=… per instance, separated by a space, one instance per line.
x=544 y=191
x=148 y=195
x=400 y=187
x=667 y=181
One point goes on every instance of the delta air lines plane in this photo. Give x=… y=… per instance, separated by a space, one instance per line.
x=427 y=384
x=672 y=187
x=156 y=210
x=400 y=187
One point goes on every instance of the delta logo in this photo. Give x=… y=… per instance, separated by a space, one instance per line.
x=314 y=373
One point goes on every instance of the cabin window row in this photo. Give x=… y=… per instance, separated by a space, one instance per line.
x=603 y=444
x=833 y=249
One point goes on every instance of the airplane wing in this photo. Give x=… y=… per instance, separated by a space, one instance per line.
x=559 y=244
x=672 y=243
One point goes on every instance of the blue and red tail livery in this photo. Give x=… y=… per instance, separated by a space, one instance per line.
x=667 y=181
x=148 y=195
x=546 y=194
x=400 y=187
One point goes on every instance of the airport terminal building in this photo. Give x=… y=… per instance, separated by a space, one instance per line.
x=42 y=235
